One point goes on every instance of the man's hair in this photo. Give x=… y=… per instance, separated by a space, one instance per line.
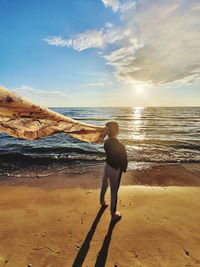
x=113 y=128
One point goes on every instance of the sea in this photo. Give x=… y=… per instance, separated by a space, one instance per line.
x=152 y=136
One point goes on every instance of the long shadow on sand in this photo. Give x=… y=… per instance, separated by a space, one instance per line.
x=86 y=244
x=103 y=253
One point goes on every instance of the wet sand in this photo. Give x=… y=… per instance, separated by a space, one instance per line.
x=57 y=221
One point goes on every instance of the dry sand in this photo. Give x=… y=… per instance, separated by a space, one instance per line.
x=57 y=221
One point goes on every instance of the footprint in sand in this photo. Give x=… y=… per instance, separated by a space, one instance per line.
x=187 y=253
x=78 y=246
x=44 y=234
x=88 y=192
x=83 y=216
x=70 y=235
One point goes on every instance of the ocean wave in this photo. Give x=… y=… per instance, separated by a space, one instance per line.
x=58 y=150
x=187 y=146
x=145 y=156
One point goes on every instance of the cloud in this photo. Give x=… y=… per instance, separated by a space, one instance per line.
x=166 y=46
x=80 y=42
x=108 y=25
x=28 y=90
x=48 y=98
x=88 y=39
x=157 y=41
x=117 y=5
x=98 y=84
x=114 y=4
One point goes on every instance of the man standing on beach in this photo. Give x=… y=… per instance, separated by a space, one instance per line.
x=116 y=163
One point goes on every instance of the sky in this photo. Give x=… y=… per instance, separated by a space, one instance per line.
x=101 y=52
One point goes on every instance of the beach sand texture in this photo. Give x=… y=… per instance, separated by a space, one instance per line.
x=57 y=221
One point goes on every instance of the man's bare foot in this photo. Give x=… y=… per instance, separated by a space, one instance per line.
x=104 y=204
x=116 y=216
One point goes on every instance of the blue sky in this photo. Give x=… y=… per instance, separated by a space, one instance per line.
x=102 y=52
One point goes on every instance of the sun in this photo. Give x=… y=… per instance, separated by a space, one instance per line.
x=139 y=89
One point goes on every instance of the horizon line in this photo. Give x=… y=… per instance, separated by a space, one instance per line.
x=124 y=106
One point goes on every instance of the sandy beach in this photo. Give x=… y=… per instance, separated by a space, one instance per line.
x=57 y=221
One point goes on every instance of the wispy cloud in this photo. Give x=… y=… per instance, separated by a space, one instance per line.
x=44 y=97
x=97 y=84
x=157 y=42
x=79 y=42
x=89 y=39
x=28 y=90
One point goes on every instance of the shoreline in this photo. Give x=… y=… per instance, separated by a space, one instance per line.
x=187 y=174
